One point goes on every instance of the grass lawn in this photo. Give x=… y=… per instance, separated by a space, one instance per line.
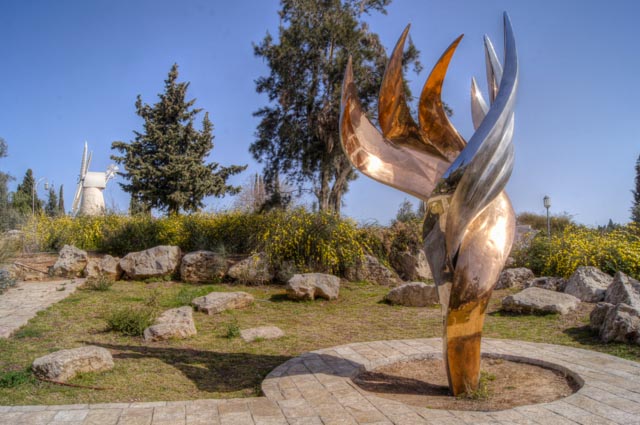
x=210 y=365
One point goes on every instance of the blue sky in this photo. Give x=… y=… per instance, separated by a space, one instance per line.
x=71 y=71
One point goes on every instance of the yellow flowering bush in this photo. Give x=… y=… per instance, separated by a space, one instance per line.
x=610 y=251
x=308 y=241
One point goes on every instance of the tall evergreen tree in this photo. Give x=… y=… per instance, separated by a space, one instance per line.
x=25 y=199
x=61 y=210
x=51 y=208
x=298 y=136
x=635 y=208
x=165 y=163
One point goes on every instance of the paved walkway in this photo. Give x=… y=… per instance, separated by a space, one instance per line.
x=23 y=301
x=316 y=389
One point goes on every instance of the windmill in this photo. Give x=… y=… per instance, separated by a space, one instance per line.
x=89 y=199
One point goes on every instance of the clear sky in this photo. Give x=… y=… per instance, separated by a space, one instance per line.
x=71 y=70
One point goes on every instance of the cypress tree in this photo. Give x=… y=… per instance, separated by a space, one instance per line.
x=51 y=208
x=635 y=208
x=165 y=163
x=61 y=210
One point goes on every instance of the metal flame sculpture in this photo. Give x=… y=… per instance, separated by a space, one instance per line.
x=469 y=226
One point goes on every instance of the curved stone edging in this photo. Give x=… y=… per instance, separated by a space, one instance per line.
x=320 y=381
x=315 y=388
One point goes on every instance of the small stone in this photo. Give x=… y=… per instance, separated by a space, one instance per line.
x=413 y=294
x=547 y=282
x=621 y=324
x=71 y=262
x=158 y=261
x=176 y=323
x=514 y=278
x=536 y=300
x=63 y=365
x=253 y=270
x=598 y=315
x=202 y=267
x=106 y=266
x=623 y=289
x=588 y=283
x=262 y=332
x=369 y=269
x=309 y=286
x=411 y=266
x=217 y=302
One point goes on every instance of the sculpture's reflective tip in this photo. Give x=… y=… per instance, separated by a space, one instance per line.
x=469 y=226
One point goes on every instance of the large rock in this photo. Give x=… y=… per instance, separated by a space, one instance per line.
x=158 y=261
x=65 y=364
x=588 y=283
x=254 y=270
x=413 y=294
x=262 y=332
x=203 y=267
x=71 y=262
x=217 y=302
x=620 y=323
x=176 y=323
x=106 y=266
x=410 y=266
x=547 y=282
x=536 y=300
x=309 y=286
x=623 y=289
x=517 y=277
x=371 y=270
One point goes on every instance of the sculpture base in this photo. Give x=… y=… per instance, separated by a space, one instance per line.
x=322 y=381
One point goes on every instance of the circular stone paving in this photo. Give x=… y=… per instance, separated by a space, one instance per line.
x=320 y=382
x=316 y=389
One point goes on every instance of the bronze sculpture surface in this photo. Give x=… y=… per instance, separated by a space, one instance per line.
x=469 y=225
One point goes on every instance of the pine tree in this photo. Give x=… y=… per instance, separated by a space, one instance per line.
x=164 y=164
x=635 y=209
x=298 y=136
x=25 y=199
x=61 y=210
x=51 y=208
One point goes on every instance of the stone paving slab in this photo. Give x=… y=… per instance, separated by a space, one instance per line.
x=316 y=389
x=21 y=303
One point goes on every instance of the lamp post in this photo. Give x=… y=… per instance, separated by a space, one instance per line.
x=33 y=193
x=547 y=205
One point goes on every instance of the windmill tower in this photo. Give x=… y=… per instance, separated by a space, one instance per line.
x=89 y=199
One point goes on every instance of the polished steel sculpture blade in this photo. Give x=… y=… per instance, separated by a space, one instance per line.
x=494 y=69
x=470 y=223
x=479 y=107
x=482 y=169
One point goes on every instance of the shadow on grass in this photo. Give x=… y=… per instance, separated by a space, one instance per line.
x=505 y=313
x=586 y=336
x=208 y=370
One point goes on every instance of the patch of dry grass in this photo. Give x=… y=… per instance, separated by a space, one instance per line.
x=210 y=365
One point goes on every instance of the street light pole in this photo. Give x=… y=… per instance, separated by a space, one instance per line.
x=547 y=205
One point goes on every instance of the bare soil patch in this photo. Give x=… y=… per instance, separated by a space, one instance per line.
x=505 y=384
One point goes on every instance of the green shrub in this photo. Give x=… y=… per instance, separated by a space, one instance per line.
x=186 y=295
x=130 y=321
x=13 y=378
x=99 y=283
x=557 y=222
x=233 y=330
